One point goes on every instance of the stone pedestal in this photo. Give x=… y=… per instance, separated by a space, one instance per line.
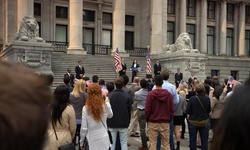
x=187 y=61
x=35 y=55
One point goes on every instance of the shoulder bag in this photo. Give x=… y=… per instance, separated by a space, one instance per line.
x=201 y=123
x=63 y=147
x=109 y=133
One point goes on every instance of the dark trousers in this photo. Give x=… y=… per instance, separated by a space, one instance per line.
x=142 y=124
x=183 y=125
x=78 y=128
x=134 y=74
x=193 y=130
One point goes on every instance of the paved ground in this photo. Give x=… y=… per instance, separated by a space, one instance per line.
x=136 y=142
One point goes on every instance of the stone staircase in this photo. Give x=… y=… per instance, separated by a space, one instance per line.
x=100 y=65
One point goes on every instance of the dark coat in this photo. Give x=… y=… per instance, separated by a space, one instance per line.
x=123 y=71
x=157 y=68
x=71 y=76
x=120 y=102
x=79 y=71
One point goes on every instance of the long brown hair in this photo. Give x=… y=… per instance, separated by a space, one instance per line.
x=94 y=103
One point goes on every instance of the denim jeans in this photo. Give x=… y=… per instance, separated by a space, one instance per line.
x=123 y=132
x=204 y=132
x=171 y=137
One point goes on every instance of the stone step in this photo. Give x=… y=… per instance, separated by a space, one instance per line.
x=103 y=66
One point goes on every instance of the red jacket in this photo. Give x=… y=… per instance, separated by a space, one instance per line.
x=159 y=106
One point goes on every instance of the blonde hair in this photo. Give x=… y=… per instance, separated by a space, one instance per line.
x=79 y=88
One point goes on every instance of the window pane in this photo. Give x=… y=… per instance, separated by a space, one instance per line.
x=171 y=7
x=61 y=12
x=192 y=39
x=215 y=73
x=107 y=18
x=170 y=38
x=170 y=26
x=210 y=45
x=190 y=29
x=39 y=24
x=89 y=15
x=61 y=33
x=235 y=75
x=129 y=40
x=247 y=14
x=229 y=46
x=37 y=9
x=106 y=37
x=129 y=20
x=230 y=12
x=191 y=8
x=247 y=47
x=89 y=35
x=247 y=43
x=191 y=32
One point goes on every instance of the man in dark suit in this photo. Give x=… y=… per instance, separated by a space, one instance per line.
x=79 y=69
x=178 y=77
x=71 y=76
x=124 y=68
x=157 y=68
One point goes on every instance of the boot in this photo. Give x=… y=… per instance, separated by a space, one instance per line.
x=182 y=136
x=178 y=145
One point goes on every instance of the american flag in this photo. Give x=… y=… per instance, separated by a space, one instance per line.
x=148 y=70
x=181 y=83
x=117 y=58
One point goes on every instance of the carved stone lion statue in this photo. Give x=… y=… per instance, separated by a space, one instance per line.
x=29 y=30
x=183 y=42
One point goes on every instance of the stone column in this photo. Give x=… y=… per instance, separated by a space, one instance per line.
x=183 y=15
x=156 y=27
x=241 y=39
x=24 y=8
x=75 y=27
x=223 y=28
x=119 y=28
x=99 y=24
x=9 y=21
x=203 y=27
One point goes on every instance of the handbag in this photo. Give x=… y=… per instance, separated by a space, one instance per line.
x=201 y=123
x=109 y=133
x=70 y=146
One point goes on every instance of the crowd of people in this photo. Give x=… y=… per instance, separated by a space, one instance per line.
x=98 y=116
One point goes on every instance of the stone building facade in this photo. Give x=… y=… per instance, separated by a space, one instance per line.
x=218 y=28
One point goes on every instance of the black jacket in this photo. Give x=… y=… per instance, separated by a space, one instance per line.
x=79 y=71
x=124 y=67
x=120 y=102
x=157 y=68
x=195 y=109
x=71 y=77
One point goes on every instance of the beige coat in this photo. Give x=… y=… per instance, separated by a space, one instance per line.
x=217 y=106
x=65 y=131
